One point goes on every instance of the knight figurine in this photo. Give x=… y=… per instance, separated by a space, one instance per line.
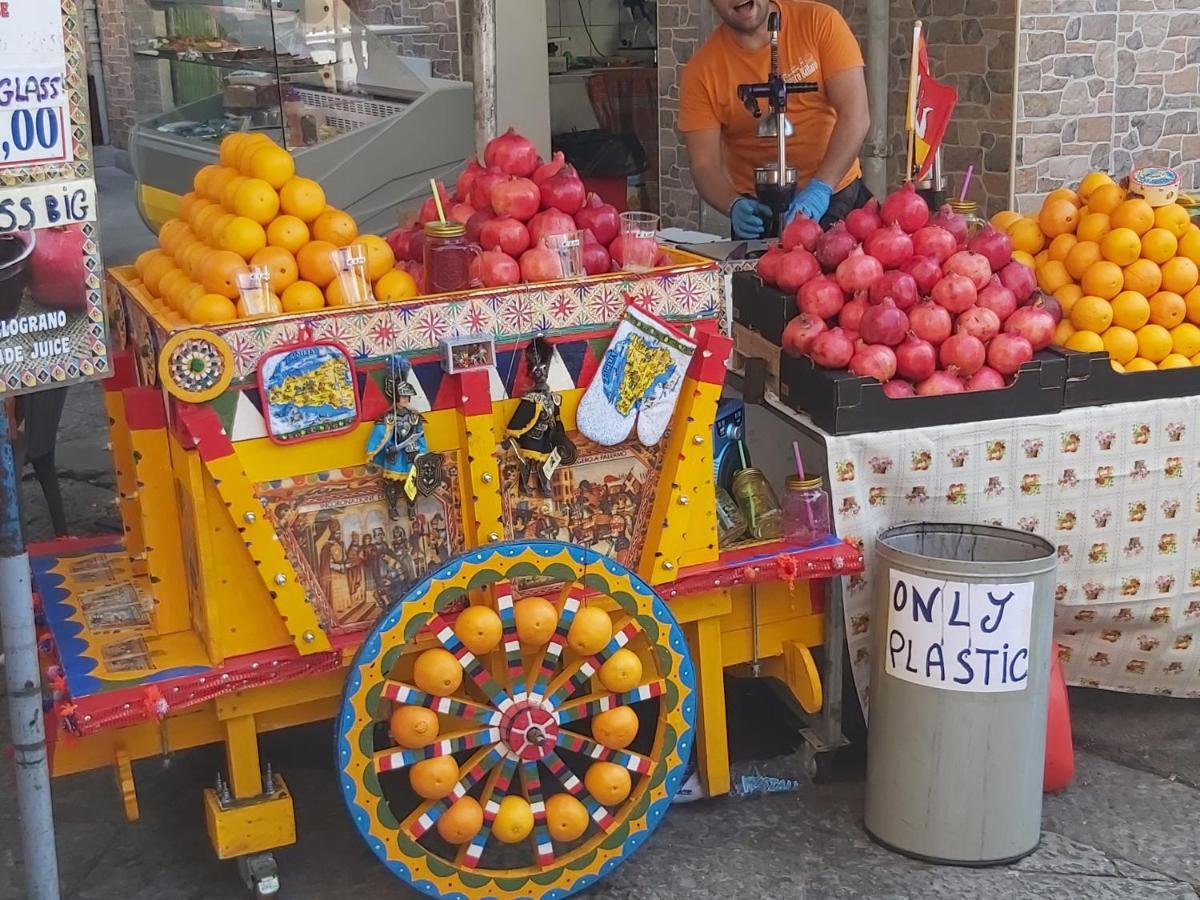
x=397 y=444
x=536 y=429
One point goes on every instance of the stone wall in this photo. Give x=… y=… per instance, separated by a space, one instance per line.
x=122 y=26
x=439 y=45
x=1106 y=84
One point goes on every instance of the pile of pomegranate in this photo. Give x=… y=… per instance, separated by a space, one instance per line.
x=905 y=297
x=508 y=205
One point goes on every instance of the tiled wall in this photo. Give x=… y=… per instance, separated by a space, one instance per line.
x=122 y=25
x=565 y=20
x=439 y=45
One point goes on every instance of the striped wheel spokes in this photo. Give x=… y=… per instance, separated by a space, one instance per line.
x=579 y=673
x=391 y=760
x=627 y=759
x=450 y=706
x=597 y=703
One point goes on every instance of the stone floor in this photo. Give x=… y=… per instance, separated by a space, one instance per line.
x=1125 y=829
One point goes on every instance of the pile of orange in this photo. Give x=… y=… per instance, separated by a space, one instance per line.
x=1125 y=273
x=251 y=209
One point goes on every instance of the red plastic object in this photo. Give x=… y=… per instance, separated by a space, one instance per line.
x=614 y=190
x=1060 y=750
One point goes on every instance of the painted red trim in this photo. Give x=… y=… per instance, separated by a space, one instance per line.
x=69 y=546
x=204 y=427
x=144 y=410
x=708 y=362
x=122 y=371
x=766 y=562
x=474 y=392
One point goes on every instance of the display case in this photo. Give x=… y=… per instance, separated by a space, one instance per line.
x=360 y=119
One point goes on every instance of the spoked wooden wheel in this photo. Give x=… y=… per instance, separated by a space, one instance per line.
x=523 y=747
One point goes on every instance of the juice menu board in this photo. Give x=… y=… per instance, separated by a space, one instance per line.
x=33 y=84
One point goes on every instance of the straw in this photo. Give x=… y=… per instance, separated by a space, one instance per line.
x=437 y=200
x=962 y=195
x=742 y=453
x=799 y=461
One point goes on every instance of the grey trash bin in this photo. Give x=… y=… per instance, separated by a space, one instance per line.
x=956 y=736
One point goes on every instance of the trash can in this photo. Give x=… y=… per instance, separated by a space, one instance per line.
x=956 y=735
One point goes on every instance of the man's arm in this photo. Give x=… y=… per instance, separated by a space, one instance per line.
x=847 y=93
x=708 y=168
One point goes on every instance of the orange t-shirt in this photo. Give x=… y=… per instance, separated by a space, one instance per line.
x=814 y=43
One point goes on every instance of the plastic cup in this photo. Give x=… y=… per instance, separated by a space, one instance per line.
x=569 y=250
x=254 y=286
x=639 y=241
x=351 y=264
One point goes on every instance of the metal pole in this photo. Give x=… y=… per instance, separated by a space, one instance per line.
x=484 y=33
x=24 y=684
x=875 y=153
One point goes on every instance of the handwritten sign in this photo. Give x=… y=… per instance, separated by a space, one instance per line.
x=34 y=125
x=958 y=636
x=47 y=205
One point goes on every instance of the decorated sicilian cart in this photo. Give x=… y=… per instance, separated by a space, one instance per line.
x=388 y=515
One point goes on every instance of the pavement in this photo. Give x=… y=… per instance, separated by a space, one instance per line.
x=1126 y=827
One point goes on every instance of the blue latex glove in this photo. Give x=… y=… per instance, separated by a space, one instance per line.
x=749 y=217
x=813 y=201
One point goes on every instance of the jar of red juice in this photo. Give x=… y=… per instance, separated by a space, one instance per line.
x=448 y=256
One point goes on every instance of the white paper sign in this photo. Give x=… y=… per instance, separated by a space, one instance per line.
x=958 y=636
x=47 y=205
x=34 y=123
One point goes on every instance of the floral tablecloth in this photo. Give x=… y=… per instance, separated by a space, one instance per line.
x=1116 y=489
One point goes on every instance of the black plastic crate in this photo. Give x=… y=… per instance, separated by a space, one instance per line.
x=842 y=403
x=761 y=307
x=1092 y=381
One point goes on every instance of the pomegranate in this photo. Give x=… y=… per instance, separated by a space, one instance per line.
x=462 y=187
x=940 y=382
x=858 y=271
x=986 y=379
x=884 y=324
x=628 y=249
x=972 y=265
x=1008 y=352
x=540 y=264
x=905 y=208
x=992 y=245
x=873 y=361
x=898 y=389
x=929 y=321
x=890 y=245
x=864 y=220
x=821 y=298
x=602 y=218
x=516 y=197
x=768 y=263
x=954 y=292
x=851 y=315
x=596 y=260
x=963 y=352
x=834 y=246
x=549 y=169
x=505 y=234
x=1032 y=323
x=57 y=276
x=948 y=219
x=481 y=188
x=935 y=242
x=800 y=232
x=563 y=191
x=400 y=240
x=925 y=272
x=476 y=222
x=800 y=332
x=1049 y=303
x=1020 y=279
x=460 y=213
x=551 y=221
x=899 y=286
x=998 y=298
x=916 y=359
x=512 y=154
x=497 y=269
x=832 y=349
x=429 y=210
x=798 y=267
x=980 y=322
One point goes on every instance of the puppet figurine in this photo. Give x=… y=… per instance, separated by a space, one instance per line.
x=535 y=429
x=397 y=443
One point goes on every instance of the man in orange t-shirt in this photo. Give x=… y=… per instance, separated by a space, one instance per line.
x=815 y=45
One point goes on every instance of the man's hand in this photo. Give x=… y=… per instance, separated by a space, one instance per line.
x=749 y=218
x=812 y=202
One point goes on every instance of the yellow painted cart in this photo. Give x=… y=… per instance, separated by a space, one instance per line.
x=261 y=582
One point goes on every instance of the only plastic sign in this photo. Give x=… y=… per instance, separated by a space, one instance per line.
x=958 y=636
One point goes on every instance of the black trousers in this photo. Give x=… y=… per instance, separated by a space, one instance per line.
x=852 y=196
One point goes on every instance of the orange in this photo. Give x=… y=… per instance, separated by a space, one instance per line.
x=1159 y=245
x=1103 y=279
x=1134 y=213
x=282 y=264
x=172 y=233
x=172 y=281
x=1174 y=218
x=1052 y=275
x=1026 y=235
x=334 y=226
x=479 y=628
x=190 y=295
x=514 y=820
x=1138 y=364
x=462 y=821
x=1154 y=343
x=186 y=202
x=335 y=293
x=1081 y=257
x=1106 y=198
x=1143 y=276
x=316 y=263
x=155 y=271
x=1062 y=332
x=145 y=258
x=229 y=147
x=1091 y=314
x=1116 y=366
x=203 y=218
x=1167 y=309
x=1024 y=258
x=218 y=181
x=302 y=198
x=1067 y=295
x=193 y=257
x=1189 y=244
x=1185 y=339
x=272 y=164
x=437 y=672
x=303 y=296
x=229 y=192
x=1058 y=216
x=413 y=726
x=380 y=256
x=1122 y=246
x=1093 y=227
x=1121 y=343
x=607 y=782
x=220 y=272
x=622 y=671
x=396 y=285
x=1192 y=299
x=617 y=727
x=1061 y=246
x=248 y=148
x=434 y=778
x=200 y=180
x=1001 y=220
x=1130 y=310
x=287 y=232
x=1066 y=194
x=1175 y=361
x=1085 y=342
x=244 y=237
x=590 y=631
x=1091 y=181
x=218 y=228
x=1041 y=259
x=212 y=308
x=566 y=818
x=1179 y=275
x=256 y=200
x=536 y=620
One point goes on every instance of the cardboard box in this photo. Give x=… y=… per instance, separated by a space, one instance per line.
x=748 y=344
x=1092 y=381
x=765 y=309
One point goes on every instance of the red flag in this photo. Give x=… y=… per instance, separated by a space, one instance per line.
x=933 y=108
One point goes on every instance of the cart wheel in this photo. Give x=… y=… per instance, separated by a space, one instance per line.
x=259 y=874
x=518 y=726
x=818 y=766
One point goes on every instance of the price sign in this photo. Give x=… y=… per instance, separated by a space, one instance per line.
x=34 y=119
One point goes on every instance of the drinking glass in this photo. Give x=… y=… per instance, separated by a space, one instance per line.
x=569 y=250
x=639 y=241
